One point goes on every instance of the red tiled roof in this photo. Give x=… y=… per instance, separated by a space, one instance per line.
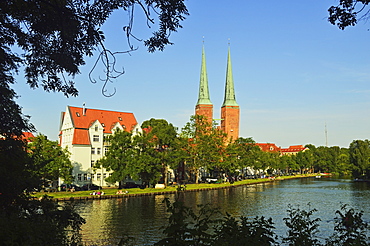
x=82 y=119
x=27 y=136
x=106 y=117
x=268 y=147
x=81 y=136
x=294 y=148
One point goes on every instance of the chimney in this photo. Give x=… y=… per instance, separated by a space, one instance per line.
x=83 y=109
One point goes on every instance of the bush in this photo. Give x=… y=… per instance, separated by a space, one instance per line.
x=186 y=227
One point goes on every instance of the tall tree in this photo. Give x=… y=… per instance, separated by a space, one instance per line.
x=162 y=135
x=120 y=158
x=239 y=155
x=50 y=161
x=359 y=155
x=51 y=39
x=204 y=144
x=131 y=156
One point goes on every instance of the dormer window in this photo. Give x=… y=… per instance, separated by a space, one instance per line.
x=120 y=118
x=78 y=114
x=103 y=124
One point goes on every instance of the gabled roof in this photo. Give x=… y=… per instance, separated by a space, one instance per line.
x=27 y=136
x=268 y=147
x=82 y=118
x=81 y=136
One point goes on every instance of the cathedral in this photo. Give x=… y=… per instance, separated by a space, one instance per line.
x=230 y=112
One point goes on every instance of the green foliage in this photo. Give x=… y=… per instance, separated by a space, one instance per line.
x=186 y=227
x=350 y=229
x=233 y=232
x=346 y=12
x=203 y=145
x=301 y=227
x=359 y=156
x=40 y=222
x=121 y=156
x=50 y=161
x=52 y=38
x=162 y=136
x=239 y=154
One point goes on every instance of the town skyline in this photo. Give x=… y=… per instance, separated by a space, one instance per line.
x=294 y=74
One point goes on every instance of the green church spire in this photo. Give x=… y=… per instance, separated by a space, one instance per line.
x=203 y=97
x=229 y=86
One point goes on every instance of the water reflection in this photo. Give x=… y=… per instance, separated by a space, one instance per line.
x=142 y=217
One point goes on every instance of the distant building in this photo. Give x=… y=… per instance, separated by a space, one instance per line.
x=293 y=150
x=82 y=132
x=27 y=136
x=268 y=147
x=271 y=147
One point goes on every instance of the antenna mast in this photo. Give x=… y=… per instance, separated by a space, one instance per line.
x=326 y=135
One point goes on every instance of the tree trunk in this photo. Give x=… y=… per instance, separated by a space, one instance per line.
x=165 y=174
x=196 y=175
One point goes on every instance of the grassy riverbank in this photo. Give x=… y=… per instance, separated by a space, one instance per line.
x=112 y=192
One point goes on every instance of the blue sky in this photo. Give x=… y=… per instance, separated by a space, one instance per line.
x=293 y=73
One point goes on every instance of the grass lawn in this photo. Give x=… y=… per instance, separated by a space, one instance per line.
x=113 y=191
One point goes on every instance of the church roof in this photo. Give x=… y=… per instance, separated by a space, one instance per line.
x=203 y=97
x=229 y=86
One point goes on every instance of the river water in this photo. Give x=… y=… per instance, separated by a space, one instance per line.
x=142 y=217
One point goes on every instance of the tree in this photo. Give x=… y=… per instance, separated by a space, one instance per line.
x=359 y=156
x=346 y=12
x=120 y=157
x=203 y=144
x=134 y=156
x=239 y=155
x=50 y=161
x=51 y=39
x=55 y=37
x=162 y=134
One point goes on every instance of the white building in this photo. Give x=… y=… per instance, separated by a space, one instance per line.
x=82 y=132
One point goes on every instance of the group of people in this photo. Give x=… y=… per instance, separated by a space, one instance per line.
x=99 y=193
x=120 y=192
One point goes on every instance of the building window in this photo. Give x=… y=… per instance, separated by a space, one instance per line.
x=92 y=163
x=104 y=175
x=96 y=128
x=96 y=138
x=103 y=124
x=79 y=177
x=98 y=151
x=106 y=149
x=85 y=176
x=98 y=176
x=78 y=114
x=92 y=176
x=120 y=118
x=93 y=151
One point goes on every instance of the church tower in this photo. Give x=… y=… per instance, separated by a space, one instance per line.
x=230 y=109
x=204 y=105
